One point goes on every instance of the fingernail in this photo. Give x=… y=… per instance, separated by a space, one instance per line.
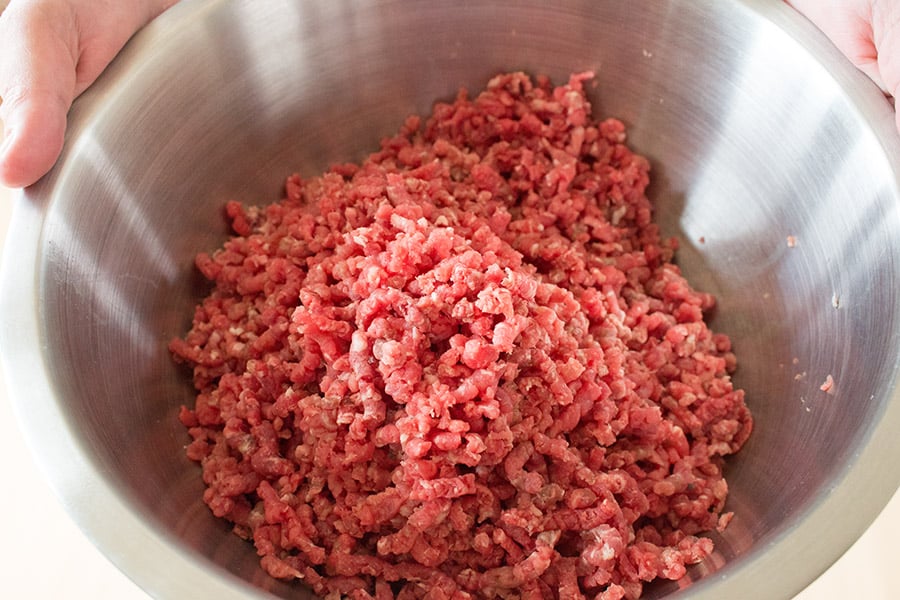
x=4 y=150
x=4 y=147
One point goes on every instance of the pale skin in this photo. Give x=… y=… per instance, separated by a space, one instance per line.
x=866 y=31
x=52 y=50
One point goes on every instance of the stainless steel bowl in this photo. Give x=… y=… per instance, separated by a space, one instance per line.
x=757 y=130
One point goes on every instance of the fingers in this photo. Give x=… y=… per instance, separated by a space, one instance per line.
x=848 y=23
x=34 y=130
x=886 y=35
x=37 y=85
x=866 y=31
x=50 y=51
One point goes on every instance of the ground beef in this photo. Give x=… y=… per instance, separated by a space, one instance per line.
x=465 y=368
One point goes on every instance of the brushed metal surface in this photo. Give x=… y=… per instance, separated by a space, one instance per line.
x=757 y=130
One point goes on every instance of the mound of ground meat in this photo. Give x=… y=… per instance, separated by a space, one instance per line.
x=465 y=368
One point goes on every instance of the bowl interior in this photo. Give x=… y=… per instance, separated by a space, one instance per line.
x=753 y=142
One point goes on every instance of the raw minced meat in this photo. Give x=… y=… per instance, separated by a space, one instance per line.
x=466 y=367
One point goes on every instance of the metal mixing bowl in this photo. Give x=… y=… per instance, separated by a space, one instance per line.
x=757 y=130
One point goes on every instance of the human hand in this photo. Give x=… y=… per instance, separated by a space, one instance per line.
x=866 y=31
x=50 y=52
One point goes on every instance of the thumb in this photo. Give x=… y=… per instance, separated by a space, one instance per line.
x=34 y=124
x=37 y=87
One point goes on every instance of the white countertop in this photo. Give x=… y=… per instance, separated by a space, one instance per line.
x=43 y=555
